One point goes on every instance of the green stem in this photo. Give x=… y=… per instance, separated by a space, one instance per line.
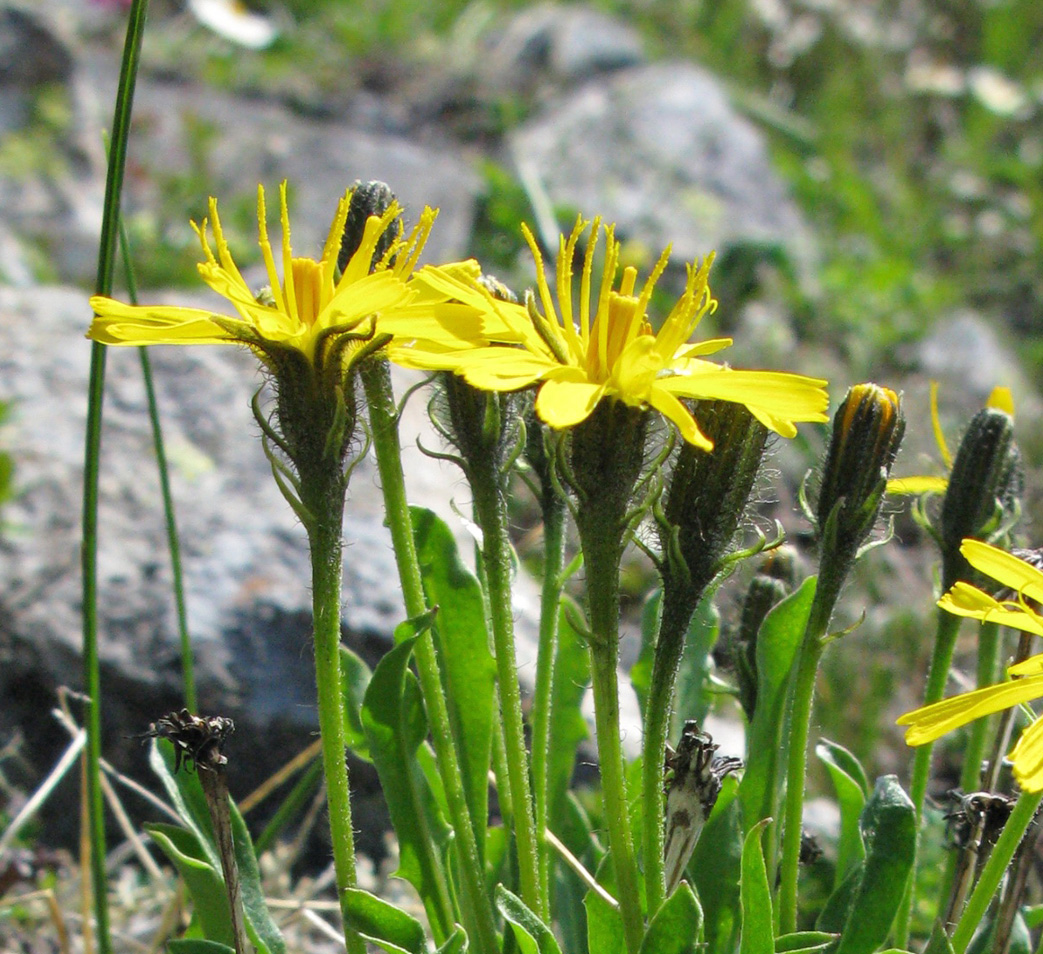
x=602 y=564
x=383 y=416
x=992 y=874
x=92 y=457
x=326 y=561
x=550 y=600
x=673 y=625
x=491 y=512
x=988 y=672
x=937 y=676
x=801 y=700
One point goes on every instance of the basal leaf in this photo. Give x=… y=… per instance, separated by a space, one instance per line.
x=534 y=937
x=715 y=870
x=568 y=728
x=777 y=644
x=395 y=725
x=849 y=783
x=888 y=828
x=354 y=678
x=205 y=885
x=378 y=920
x=758 y=930
x=467 y=662
x=677 y=925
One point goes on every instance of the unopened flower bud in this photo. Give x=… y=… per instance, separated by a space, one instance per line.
x=867 y=431
x=367 y=199
x=774 y=581
x=707 y=493
x=984 y=487
x=482 y=425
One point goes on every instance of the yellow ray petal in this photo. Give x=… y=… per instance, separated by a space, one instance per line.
x=1005 y=568
x=932 y=722
x=915 y=486
x=1027 y=757
x=566 y=403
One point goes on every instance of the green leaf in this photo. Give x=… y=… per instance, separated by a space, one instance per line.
x=377 y=920
x=1033 y=915
x=694 y=670
x=205 y=885
x=852 y=788
x=804 y=942
x=187 y=795
x=1020 y=939
x=939 y=942
x=758 y=931
x=395 y=724
x=568 y=728
x=693 y=695
x=534 y=937
x=864 y=906
x=456 y=943
x=604 y=925
x=677 y=925
x=262 y=930
x=777 y=644
x=197 y=945
x=354 y=678
x=467 y=663
x=641 y=671
x=715 y=870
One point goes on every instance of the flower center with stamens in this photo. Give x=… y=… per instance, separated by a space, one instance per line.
x=307 y=289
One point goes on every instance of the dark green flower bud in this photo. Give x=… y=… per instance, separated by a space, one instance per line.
x=984 y=487
x=482 y=425
x=774 y=581
x=707 y=493
x=867 y=431
x=367 y=199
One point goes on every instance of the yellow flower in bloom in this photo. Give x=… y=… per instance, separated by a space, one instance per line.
x=598 y=344
x=305 y=310
x=1000 y=399
x=933 y=721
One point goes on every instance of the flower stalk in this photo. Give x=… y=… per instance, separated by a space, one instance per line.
x=706 y=496
x=383 y=418
x=554 y=510
x=606 y=456
x=490 y=509
x=867 y=431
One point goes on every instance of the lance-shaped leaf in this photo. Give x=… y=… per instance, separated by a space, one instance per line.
x=758 y=931
x=396 y=725
x=864 y=906
x=777 y=644
x=463 y=650
x=852 y=788
x=677 y=925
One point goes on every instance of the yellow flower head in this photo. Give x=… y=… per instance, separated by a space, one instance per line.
x=932 y=722
x=599 y=343
x=304 y=310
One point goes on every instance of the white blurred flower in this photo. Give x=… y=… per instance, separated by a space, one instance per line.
x=231 y=20
x=996 y=92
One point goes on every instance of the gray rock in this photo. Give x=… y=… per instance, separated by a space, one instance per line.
x=552 y=45
x=660 y=151
x=182 y=130
x=968 y=351
x=244 y=553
